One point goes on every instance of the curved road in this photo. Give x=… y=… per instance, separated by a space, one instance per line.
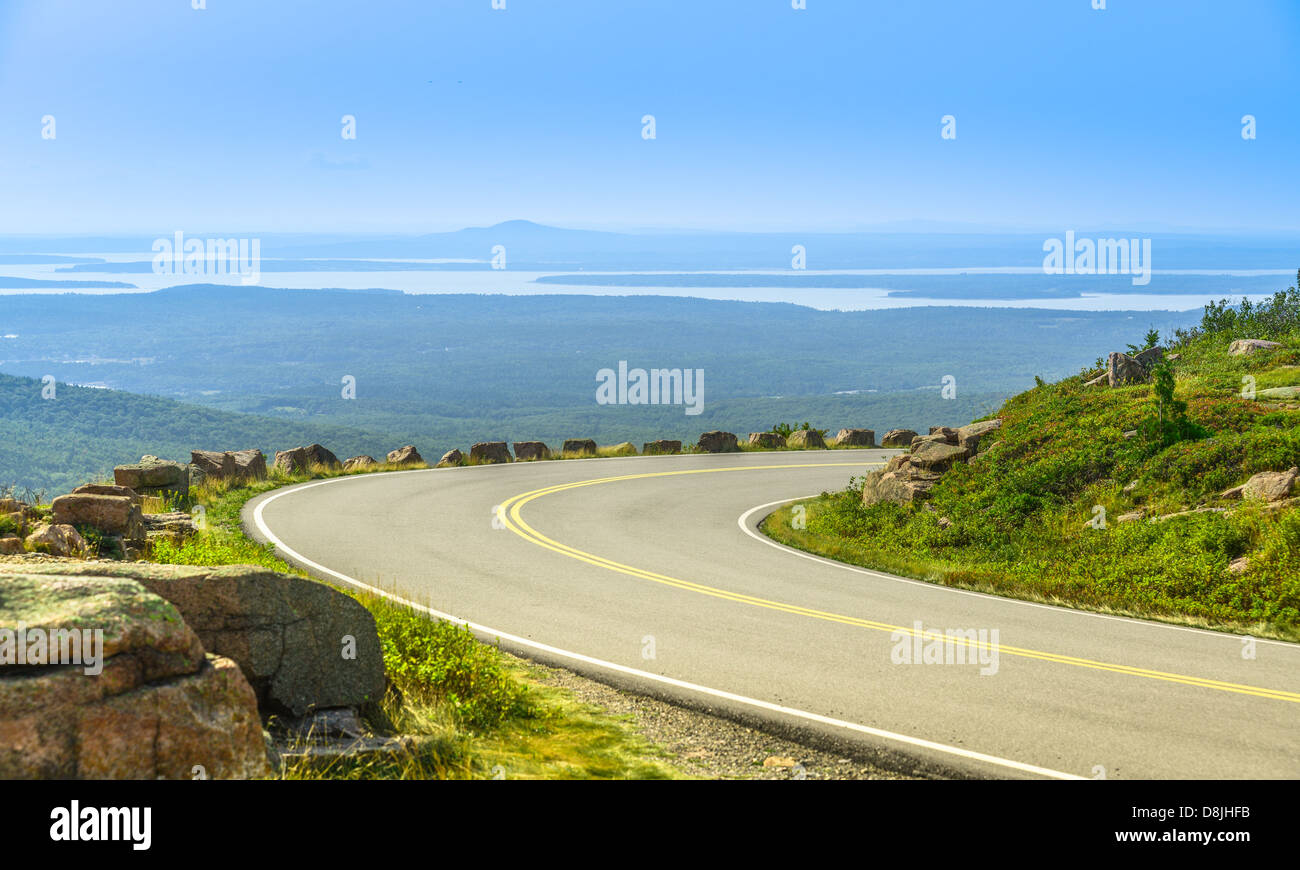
x=648 y=572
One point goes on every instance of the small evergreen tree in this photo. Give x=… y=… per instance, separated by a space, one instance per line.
x=1170 y=424
x=1152 y=338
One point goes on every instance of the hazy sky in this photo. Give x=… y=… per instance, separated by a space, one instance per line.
x=229 y=118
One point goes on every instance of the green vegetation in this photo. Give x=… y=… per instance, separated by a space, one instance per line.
x=1170 y=423
x=785 y=429
x=1151 y=339
x=445 y=371
x=468 y=711
x=99 y=545
x=55 y=445
x=1018 y=517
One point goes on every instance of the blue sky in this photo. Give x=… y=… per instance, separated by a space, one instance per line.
x=228 y=118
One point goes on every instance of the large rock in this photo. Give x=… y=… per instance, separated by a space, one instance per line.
x=766 y=440
x=718 y=442
x=205 y=723
x=169 y=728
x=968 y=437
x=1150 y=357
x=531 y=450
x=147 y=705
x=805 y=439
x=154 y=476
x=407 y=455
x=288 y=634
x=1247 y=346
x=941 y=434
x=235 y=465
x=57 y=540
x=899 y=482
x=580 y=446
x=174 y=527
x=104 y=489
x=111 y=514
x=855 y=438
x=11 y=545
x=661 y=447
x=489 y=452
x=144 y=638
x=623 y=448
x=300 y=460
x=980 y=428
x=1267 y=486
x=359 y=463
x=251 y=464
x=898 y=438
x=937 y=455
x=1123 y=369
x=213 y=465
x=451 y=459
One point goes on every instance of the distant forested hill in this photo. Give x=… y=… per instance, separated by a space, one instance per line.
x=80 y=434
x=442 y=371
x=56 y=444
x=285 y=352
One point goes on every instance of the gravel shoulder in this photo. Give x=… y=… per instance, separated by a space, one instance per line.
x=709 y=747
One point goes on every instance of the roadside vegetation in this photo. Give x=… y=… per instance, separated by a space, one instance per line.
x=1021 y=520
x=467 y=710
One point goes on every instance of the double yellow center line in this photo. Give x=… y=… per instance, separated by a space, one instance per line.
x=511 y=516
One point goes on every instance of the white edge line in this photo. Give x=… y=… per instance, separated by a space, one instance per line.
x=260 y=522
x=743 y=522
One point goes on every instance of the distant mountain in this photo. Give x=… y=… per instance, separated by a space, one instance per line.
x=534 y=246
x=8 y=283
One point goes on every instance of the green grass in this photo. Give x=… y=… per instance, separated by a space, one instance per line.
x=467 y=710
x=1018 y=513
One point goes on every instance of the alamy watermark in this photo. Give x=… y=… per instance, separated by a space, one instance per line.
x=651 y=387
x=59 y=646
x=102 y=824
x=1073 y=256
x=953 y=646
x=208 y=257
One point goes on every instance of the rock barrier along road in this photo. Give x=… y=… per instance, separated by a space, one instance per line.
x=649 y=573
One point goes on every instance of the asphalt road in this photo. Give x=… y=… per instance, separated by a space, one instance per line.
x=648 y=572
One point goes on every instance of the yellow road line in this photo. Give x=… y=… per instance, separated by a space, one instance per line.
x=510 y=513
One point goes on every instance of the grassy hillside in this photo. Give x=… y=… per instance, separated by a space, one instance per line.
x=1018 y=514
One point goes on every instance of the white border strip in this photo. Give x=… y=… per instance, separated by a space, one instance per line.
x=260 y=522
